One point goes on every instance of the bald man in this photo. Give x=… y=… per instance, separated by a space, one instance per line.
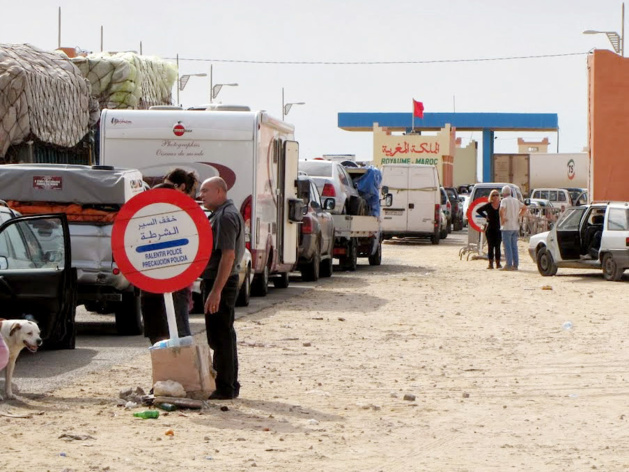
x=220 y=285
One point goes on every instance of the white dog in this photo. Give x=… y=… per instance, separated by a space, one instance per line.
x=17 y=335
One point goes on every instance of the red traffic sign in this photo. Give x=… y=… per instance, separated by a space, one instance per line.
x=161 y=240
x=474 y=220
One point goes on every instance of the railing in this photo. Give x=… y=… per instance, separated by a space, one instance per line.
x=538 y=220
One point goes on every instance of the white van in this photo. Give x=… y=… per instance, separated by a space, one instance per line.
x=416 y=207
x=560 y=197
x=252 y=151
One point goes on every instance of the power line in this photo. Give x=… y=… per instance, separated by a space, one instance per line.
x=369 y=63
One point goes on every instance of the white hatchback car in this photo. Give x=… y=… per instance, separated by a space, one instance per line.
x=592 y=236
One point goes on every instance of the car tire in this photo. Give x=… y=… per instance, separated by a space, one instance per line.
x=443 y=234
x=545 y=263
x=376 y=259
x=245 y=290
x=260 y=284
x=350 y=260
x=611 y=271
x=326 y=267
x=435 y=238
x=310 y=271
x=449 y=226
x=458 y=224
x=128 y=314
x=282 y=280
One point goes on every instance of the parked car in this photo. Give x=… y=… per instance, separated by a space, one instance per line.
x=36 y=274
x=592 y=236
x=559 y=196
x=457 y=209
x=316 y=233
x=578 y=195
x=446 y=207
x=333 y=181
x=483 y=189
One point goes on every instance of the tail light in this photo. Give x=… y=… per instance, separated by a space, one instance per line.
x=245 y=211
x=116 y=271
x=328 y=191
x=306 y=225
x=437 y=215
x=449 y=206
x=627 y=242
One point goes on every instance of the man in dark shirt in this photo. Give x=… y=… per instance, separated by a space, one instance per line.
x=220 y=285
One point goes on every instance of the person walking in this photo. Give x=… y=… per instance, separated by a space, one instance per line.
x=491 y=212
x=220 y=285
x=511 y=209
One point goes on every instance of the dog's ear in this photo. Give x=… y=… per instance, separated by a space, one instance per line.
x=16 y=326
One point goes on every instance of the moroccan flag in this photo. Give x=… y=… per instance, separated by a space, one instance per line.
x=418 y=109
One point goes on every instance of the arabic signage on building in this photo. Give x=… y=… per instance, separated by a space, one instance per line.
x=412 y=148
x=161 y=240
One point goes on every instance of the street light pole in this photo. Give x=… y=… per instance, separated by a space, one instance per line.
x=617 y=40
x=216 y=88
x=287 y=106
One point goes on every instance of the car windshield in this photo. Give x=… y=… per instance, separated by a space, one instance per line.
x=484 y=191
x=316 y=168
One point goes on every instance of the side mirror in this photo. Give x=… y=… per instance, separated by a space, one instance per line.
x=53 y=256
x=296 y=209
x=329 y=204
x=4 y=263
x=527 y=202
x=388 y=200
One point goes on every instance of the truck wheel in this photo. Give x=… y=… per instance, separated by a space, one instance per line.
x=611 y=271
x=310 y=271
x=326 y=267
x=376 y=259
x=350 y=260
x=435 y=238
x=245 y=290
x=545 y=263
x=282 y=280
x=128 y=314
x=260 y=284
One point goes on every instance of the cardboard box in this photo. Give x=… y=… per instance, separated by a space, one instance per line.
x=188 y=365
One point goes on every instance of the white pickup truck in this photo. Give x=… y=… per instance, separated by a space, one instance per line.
x=592 y=236
x=90 y=196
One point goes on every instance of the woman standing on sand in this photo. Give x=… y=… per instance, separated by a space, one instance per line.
x=491 y=212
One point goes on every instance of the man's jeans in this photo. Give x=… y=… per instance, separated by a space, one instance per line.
x=510 y=241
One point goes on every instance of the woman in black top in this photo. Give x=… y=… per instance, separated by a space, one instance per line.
x=491 y=212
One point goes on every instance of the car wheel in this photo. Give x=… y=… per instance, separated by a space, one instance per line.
x=458 y=225
x=245 y=290
x=326 y=267
x=128 y=314
x=376 y=259
x=310 y=271
x=545 y=263
x=260 y=285
x=449 y=226
x=350 y=260
x=611 y=271
x=282 y=280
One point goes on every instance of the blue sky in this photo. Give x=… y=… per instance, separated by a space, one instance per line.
x=223 y=33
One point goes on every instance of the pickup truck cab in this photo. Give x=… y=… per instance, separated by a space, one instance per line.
x=594 y=236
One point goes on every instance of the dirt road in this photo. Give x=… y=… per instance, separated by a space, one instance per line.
x=426 y=363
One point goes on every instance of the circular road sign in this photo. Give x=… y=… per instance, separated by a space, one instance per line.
x=476 y=221
x=161 y=240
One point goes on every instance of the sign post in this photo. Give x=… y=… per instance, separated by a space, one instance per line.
x=162 y=241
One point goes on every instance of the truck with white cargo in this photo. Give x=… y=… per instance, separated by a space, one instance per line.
x=542 y=170
x=361 y=235
x=415 y=209
x=91 y=197
x=253 y=152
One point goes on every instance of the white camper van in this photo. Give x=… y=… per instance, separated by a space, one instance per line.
x=253 y=152
x=415 y=209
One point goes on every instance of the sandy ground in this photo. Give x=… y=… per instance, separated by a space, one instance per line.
x=426 y=363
